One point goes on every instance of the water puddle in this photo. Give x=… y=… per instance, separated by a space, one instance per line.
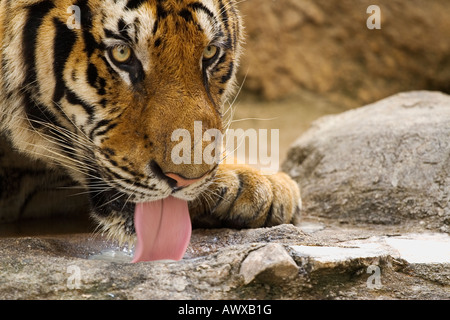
x=113 y=255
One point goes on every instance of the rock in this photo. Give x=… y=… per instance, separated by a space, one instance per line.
x=246 y=264
x=385 y=163
x=416 y=250
x=382 y=259
x=269 y=264
x=326 y=48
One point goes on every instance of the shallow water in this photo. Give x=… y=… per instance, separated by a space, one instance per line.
x=113 y=255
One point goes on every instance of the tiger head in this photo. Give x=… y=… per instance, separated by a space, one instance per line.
x=106 y=83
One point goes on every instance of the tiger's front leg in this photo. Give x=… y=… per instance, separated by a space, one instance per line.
x=243 y=197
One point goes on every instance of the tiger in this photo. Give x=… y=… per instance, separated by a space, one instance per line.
x=91 y=92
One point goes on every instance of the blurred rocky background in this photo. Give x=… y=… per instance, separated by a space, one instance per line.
x=298 y=47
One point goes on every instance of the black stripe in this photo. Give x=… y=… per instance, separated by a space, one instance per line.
x=37 y=113
x=134 y=4
x=92 y=75
x=86 y=25
x=62 y=47
x=100 y=124
x=229 y=74
x=64 y=42
x=161 y=13
x=237 y=30
x=105 y=131
x=135 y=174
x=121 y=25
x=113 y=35
x=101 y=86
x=155 y=27
x=228 y=44
x=103 y=103
x=223 y=14
x=74 y=99
x=220 y=199
x=123 y=30
x=36 y=14
x=239 y=191
x=95 y=81
x=137 y=27
x=269 y=215
x=186 y=15
x=109 y=152
x=222 y=59
x=199 y=6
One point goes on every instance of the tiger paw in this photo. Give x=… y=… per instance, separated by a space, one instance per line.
x=243 y=197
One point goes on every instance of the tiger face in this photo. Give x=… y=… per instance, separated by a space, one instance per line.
x=99 y=86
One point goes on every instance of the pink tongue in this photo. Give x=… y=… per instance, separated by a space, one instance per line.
x=163 y=230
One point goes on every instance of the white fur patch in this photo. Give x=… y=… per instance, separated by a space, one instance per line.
x=204 y=20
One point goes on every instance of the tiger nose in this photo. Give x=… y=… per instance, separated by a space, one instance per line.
x=174 y=180
x=182 y=182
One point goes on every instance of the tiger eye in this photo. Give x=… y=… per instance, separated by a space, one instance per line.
x=121 y=54
x=210 y=52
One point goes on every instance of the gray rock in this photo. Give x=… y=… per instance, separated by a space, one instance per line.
x=271 y=263
x=385 y=163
